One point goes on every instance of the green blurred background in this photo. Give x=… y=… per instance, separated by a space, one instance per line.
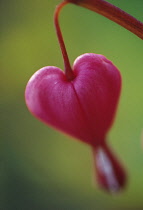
x=41 y=168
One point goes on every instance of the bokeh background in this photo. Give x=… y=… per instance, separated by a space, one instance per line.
x=41 y=168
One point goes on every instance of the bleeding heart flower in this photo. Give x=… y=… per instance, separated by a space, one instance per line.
x=81 y=102
x=83 y=107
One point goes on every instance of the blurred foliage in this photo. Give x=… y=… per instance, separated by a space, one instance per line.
x=41 y=168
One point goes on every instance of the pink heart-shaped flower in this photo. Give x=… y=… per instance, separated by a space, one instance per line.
x=83 y=107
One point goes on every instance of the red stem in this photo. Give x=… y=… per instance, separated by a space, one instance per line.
x=113 y=13
x=68 y=70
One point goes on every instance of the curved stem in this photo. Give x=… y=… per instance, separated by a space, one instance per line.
x=68 y=70
x=113 y=13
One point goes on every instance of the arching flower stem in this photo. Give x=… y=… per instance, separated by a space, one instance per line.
x=68 y=70
x=113 y=13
